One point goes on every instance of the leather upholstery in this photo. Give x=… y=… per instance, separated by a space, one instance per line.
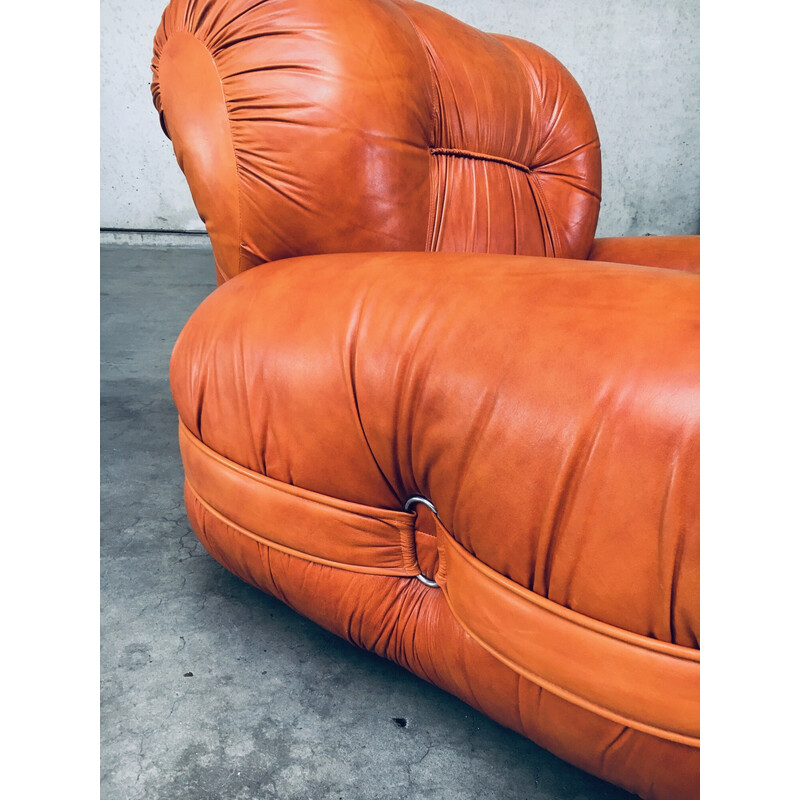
x=669 y=252
x=547 y=405
x=494 y=153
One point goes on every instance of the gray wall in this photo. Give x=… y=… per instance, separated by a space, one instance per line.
x=636 y=60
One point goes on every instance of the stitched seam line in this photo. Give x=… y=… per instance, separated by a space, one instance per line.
x=552 y=232
x=434 y=115
x=572 y=697
x=366 y=570
x=395 y=519
x=642 y=643
x=235 y=159
x=452 y=151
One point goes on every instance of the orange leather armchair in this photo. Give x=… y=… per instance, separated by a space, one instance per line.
x=425 y=407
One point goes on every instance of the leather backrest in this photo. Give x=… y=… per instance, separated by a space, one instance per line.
x=323 y=126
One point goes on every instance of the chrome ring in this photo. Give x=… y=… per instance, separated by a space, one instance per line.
x=417 y=498
x=410 y=503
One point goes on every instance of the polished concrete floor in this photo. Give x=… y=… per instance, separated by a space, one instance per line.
x=211 y=690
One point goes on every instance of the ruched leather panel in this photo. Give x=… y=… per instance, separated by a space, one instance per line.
x=463 y=216
x=540 y=120
x=348 y=121
x=329 y=117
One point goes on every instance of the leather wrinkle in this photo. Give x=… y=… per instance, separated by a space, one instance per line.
x=258 y=453
x=559 y=106
x=246 y=11
x=514 y=210
x=663 y=547
x=575 y=150
x=352 y=356
x=679 y=548
x=483 y=417
x=612 y=744
x=434 y=103
x=414 y=373
x=265 y=555
x=541 y=214
x=532 y=82
x=575 y=464
x=552 y=233
x=434 y=86
x=569 y=180
x=270 y=68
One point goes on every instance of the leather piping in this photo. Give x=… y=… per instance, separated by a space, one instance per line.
x=642 y=683
x=289 y=550
x=299 y=521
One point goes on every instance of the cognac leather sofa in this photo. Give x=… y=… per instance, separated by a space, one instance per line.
x=425 y=407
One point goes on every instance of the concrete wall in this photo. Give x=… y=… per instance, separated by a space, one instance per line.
x=636 y=60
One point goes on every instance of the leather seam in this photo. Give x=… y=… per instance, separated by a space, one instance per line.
x=571 y=697
x=553 y=232
x=235 y=158
x=454 y=151
x=387 y=516
x=677 y=651
x=663 y=650
x=423 y=42
x=364 y=570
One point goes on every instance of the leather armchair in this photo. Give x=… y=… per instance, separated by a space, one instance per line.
x=425 y=407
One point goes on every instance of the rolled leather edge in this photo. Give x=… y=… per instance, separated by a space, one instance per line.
x=680 y=253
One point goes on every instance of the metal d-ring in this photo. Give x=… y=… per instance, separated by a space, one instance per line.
x=410 y=503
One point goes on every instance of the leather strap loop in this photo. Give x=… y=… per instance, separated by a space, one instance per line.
x=312 y=526
x=643 y=683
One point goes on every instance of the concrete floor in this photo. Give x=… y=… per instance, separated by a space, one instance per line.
x=211 y=690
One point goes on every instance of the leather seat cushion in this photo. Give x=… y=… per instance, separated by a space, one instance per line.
x=559 y=464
